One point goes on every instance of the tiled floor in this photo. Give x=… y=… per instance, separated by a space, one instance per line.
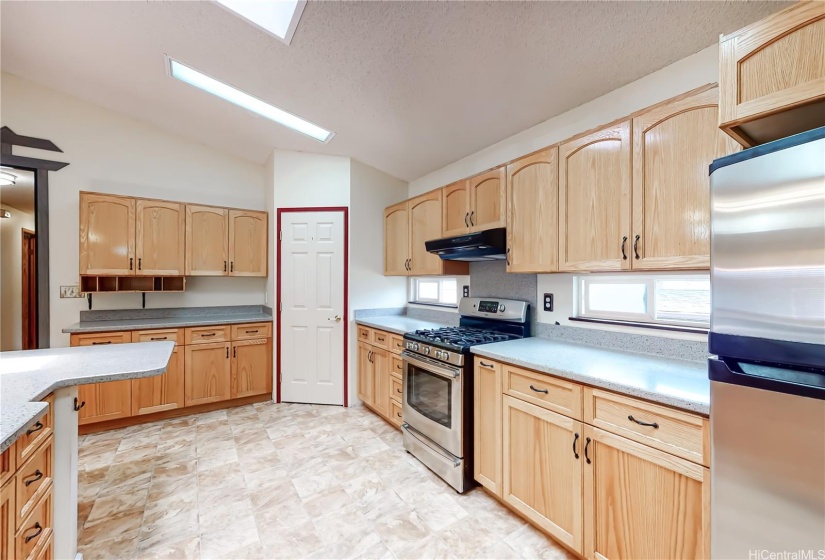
x=282 y=481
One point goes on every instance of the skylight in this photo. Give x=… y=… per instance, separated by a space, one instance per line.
x=278 y=17
x=200 y=80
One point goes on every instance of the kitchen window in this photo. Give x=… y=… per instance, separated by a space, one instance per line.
x=682 y=300
x=434 y=291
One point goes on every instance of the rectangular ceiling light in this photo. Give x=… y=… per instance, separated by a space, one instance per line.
x=278 y=17
x=233 y=95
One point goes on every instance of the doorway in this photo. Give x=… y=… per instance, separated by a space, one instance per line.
x=28 y=282
x=312 y=305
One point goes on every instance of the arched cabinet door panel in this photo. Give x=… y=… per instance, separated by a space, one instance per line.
x=107 y=234
x=207 y=241
x=488 y=200
x=248 y=242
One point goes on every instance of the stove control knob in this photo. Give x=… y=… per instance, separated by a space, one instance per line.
x=438 y=354
x=415 y=346
x=445 y=355
x=427 y=350
x=501 y=308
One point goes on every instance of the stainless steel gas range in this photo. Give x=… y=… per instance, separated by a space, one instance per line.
x=438 y=384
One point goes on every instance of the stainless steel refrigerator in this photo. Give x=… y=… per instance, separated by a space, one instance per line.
x=768 y=331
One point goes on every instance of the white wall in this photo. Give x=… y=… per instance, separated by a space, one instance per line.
x=110 y=153
x=11 y=280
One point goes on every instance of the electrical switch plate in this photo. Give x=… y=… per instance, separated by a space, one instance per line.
x=70 y=292
x=548 y=302
x=466 y=291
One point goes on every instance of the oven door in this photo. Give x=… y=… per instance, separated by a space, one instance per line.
x=432 y=401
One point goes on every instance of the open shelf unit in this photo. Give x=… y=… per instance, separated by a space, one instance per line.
x=104 y=284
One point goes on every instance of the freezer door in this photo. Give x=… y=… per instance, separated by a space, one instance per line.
x=768 y=242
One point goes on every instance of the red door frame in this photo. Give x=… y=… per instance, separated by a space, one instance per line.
x=345 y=211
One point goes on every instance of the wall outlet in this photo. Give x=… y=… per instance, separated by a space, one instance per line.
x=466 y=291
x=548 y=302
x=70 y=292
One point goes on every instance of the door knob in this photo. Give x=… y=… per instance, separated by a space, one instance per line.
x=337 y=319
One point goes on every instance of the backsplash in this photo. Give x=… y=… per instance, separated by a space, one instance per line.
x=163 y=313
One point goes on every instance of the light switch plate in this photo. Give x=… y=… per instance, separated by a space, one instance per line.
x=70 y=292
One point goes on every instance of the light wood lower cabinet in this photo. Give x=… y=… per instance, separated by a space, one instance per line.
x=251 y=367
x=366 y=373
x=542 y=476
x=642 y=503
x=381 y=394
x=487 y=424
x=105 y=401
x=208 y=373
x=160 y=392
x=379 y=387
x=8 y=514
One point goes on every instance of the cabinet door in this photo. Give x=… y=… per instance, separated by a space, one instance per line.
x=488 y=200
x=641 y=503
x=208 y=374
x=532 y=213
x=487 y=424
x=381 y=393
x=425 y=225
x=104 y=401
x=594 y=200
x=366 y=374
x=251 y=367
x=107 y=234
x=159 y=240
x=455 y=212
x=773 y=65
x=8 y=517
x=160 y=392
x=248 y=242
x=543 y=469
x=206 y=241
x=673 y=145
x=396 y=240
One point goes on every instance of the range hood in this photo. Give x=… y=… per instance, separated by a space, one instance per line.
x=487 y=245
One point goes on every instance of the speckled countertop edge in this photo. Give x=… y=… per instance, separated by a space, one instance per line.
x=398 y=324
x=165 y=322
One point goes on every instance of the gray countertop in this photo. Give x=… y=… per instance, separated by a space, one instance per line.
x=675 y=383
x=28 y=376
x=398 y=324
x=166 y=322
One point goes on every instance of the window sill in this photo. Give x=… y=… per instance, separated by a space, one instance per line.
x=654 y=326
x=432 y=304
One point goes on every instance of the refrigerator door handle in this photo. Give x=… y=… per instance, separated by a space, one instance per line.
x=791 y=382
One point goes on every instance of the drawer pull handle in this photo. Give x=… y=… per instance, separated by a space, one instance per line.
x=575 y=439
x=37 y=476
x=207 y=335
x=39 y=528
x=397 y=390
x=586 y=446
x=252 y=332
x=653 y=425
x=482 y=364
x=158 y=338
x=36 y=428
x=398 y=414
x=545 y=391
x=96 y=343
x=77 y=406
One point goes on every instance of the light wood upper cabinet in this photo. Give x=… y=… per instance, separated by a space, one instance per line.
x=673 y=145
x=207 y=241
x=487 y=424
x=208 y=373
x=456 y=209
x=640 y=502
x=532 y=213
x=107 y=234
x=160 y=392
x=772 y=75
x=159 y=238
x=424 y=216
x=594 y=200
x=251 y=367
x=396 y=240
x=543 y=469
x=248 y=242
x=488 y=200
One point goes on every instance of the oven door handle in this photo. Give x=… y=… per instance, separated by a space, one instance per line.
x=430 y=366
x=434 y=447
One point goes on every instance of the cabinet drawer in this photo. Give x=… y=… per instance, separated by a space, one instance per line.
x=396 y=416
x=364 y=334
x=97 y=339
x=205 y=335
x=546 y=391
x=676 y=432
x=396 y=366
x=396 y=343
x=175 y=335
x=488 y=364
x=251 y=330
x=396 y=389
x=33 y=437
x=33 y=481
x=36 y=528
x=380 y=339
x=8 y=463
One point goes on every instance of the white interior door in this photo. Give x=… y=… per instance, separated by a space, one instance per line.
x=312 y=316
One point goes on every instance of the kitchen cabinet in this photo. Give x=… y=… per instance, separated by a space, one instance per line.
x=640 y=502
x=366 y=374
x=251 y=367
x=8 y=516
x=380 y=386
x=159 y=238
x=107 y=234
x=475 y=204
x=594 y=200
x=543 y=469
x=673 y=144
x=487 y=431
x=248 y=232
x=103 y=401
x=396 y=240
x=207 y=373
x=381 y=393
x=772 y=75
x=532 y=213
x=207 y=241
x=455 y=213
x=160 y=392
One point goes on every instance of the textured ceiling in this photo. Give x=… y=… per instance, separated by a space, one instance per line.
x=21 y=194
x=408 y=87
